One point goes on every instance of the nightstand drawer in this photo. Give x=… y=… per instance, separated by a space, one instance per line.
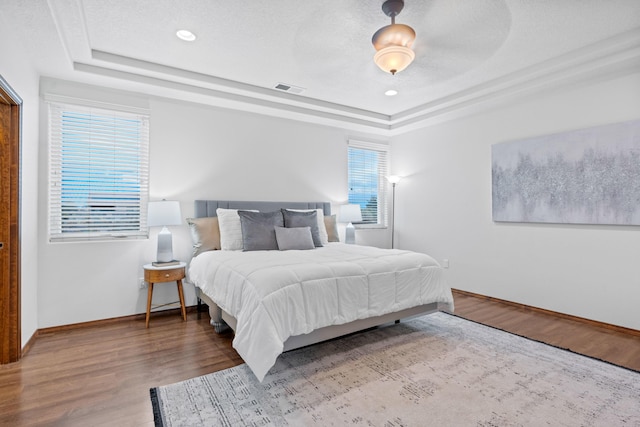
x=169 y=275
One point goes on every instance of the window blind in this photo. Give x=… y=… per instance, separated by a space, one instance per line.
x=99 y=173
x=367 y=169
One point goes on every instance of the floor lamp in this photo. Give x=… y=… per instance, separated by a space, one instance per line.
x=393 y=179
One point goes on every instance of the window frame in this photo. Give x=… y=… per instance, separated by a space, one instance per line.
x=382 y=201
x=126 y=135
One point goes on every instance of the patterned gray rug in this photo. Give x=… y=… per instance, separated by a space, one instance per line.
x=437 y=370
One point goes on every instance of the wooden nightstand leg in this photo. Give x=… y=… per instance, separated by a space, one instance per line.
x=149 y=298
x=181 y=295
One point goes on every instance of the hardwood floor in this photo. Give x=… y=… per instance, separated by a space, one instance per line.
x=617 y=347
x=100 y=375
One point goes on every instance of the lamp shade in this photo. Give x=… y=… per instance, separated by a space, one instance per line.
x=165 y=212
x=394 y=179
x=394 y=59
x=350 y=213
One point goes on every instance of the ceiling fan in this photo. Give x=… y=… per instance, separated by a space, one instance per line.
x=393 y=42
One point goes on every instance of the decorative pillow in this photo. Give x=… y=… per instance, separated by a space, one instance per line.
x=298 y=238
x=309 y=219
x=258 y=230
x=332 y=228
x=324 y=238
x=205 y=234
x=230 y=230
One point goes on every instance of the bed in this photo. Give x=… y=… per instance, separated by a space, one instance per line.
x=279 y=300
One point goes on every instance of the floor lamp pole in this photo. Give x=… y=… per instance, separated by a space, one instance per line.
x=393 y=212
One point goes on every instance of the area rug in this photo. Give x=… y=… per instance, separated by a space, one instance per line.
x=436 y=370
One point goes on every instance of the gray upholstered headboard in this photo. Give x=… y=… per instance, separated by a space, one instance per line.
x=205 y=208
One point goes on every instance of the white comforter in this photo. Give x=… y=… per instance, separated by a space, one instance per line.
x=278 y=294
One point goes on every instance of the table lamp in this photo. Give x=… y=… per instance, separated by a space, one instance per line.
x=161 y=214
x=350 y=213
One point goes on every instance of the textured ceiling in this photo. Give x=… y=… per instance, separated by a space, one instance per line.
x=465 y=50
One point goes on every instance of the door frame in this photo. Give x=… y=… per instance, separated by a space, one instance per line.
x=10 y=313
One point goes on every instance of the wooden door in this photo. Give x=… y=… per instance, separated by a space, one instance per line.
x=10 y=341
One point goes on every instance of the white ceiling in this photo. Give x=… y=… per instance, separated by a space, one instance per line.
x=466 y=51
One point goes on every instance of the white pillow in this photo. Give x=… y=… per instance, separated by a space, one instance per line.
x=230 y=229
x=322 y=229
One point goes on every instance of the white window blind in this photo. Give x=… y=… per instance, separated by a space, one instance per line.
x=368 y=164
x=99 y=173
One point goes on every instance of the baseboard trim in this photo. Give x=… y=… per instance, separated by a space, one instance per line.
x=100 y=322
x=193 y=309
x=29 y=344
x=622 y=329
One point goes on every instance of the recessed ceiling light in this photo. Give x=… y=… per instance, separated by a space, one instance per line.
x=186 y=35
x=391 y=92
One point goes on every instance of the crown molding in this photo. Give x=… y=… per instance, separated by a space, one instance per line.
x=194 y=93
x=617 y=55
x=231 y=86
x=613 y=56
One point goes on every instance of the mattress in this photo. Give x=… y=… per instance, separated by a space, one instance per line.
x=277 y=294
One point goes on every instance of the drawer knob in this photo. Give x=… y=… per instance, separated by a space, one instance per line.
x=166 y=275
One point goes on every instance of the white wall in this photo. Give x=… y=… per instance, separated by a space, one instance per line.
x=197 y=152
x=18 y=71
x=443 y=208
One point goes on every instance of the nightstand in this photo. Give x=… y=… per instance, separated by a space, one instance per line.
x=170 y=273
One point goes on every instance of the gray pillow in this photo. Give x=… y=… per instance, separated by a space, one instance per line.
x=258 y=230
x=293 y=219
x=298 y=238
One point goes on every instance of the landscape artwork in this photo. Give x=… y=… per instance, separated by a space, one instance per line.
x=587 y=176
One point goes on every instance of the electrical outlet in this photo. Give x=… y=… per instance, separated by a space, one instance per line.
x=445 y=263
x=141 y=283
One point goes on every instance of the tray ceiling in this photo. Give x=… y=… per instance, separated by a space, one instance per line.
x=466 y=52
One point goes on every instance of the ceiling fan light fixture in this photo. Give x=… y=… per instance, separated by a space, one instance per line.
x=394 y=59
x=393 y=42
x=393 y=35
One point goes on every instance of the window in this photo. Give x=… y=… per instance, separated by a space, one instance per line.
x=98 y=166
x=367 y=183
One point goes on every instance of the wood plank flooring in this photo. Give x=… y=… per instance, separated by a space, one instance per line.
x=616 y=347
x=100 y=375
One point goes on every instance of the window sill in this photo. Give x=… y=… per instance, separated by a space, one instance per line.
x=97 y=239
x=370 y=226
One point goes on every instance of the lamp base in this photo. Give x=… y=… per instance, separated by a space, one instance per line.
x=350 y=234
x=165 y=246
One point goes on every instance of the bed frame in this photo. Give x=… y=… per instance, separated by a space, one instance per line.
x=221 y=320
